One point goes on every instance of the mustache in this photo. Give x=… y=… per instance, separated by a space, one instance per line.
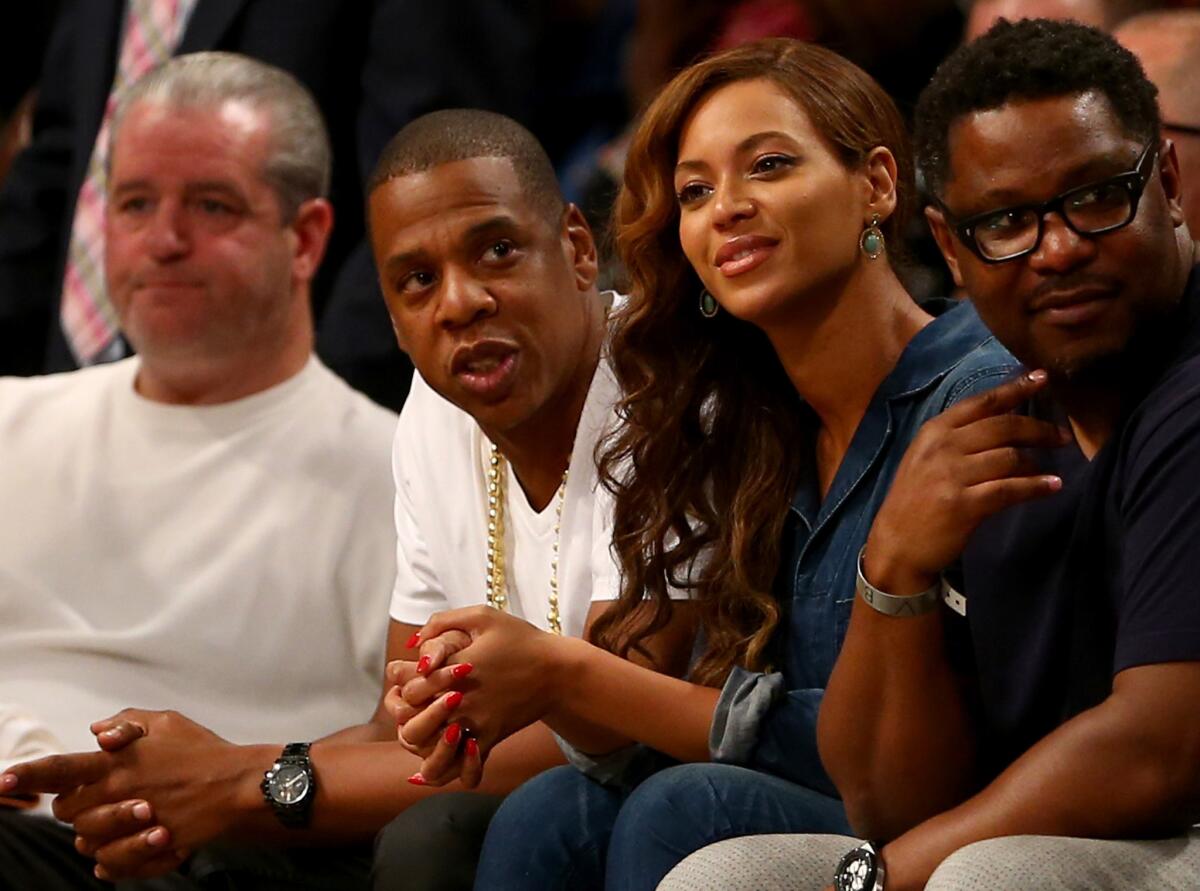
x=1072 y=281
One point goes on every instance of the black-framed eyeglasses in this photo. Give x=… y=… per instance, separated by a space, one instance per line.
x=1103 y=206
x=1175 y=127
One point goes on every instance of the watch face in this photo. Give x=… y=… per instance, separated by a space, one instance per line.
x=856 y=872
x=290 y=784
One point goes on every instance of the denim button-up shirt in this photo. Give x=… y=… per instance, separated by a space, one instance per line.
x=768 y=721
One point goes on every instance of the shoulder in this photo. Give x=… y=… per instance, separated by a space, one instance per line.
x=426 y=416
x=1166 y=423
x=433 y=441
x=976 y=360
x=70 y=394
x=353 y=407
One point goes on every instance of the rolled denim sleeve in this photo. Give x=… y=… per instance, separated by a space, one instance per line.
x=760 y=724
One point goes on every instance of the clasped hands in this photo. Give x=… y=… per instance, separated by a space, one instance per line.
x=480 y=676
x=118 y=799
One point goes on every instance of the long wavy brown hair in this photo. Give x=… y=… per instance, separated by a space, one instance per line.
x=707 y=460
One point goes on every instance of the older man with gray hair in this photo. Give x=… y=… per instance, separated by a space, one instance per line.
x=205 y=526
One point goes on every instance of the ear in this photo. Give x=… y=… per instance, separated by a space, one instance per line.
x=947 y=241
x=581 y=244
x=1168 y=171
x=881 y=174
x=310 y=230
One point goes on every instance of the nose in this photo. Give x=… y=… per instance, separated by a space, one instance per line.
x=464 y=299
x=1062 y=248
x=731 y=204
x=168 y=235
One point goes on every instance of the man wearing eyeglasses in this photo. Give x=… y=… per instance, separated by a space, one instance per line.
x=1167 y=42
x=1015 y=744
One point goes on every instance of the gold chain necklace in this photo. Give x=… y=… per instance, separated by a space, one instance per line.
x=497 y=590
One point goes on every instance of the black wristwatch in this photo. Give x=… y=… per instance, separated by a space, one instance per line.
x=860 y=869
x=290 y=786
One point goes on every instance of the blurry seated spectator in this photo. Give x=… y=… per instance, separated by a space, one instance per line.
x=1168 y=45
x=204 y=526
x=1103 y=14
x=372 y=66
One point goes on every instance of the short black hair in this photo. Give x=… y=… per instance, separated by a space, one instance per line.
x=1029 y=59
x=460 y=134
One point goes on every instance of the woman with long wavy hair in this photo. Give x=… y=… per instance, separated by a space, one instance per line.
x=774 y=370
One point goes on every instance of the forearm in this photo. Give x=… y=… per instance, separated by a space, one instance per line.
x=379 y=729
x=602 y=701
x=894 y=732
x=1100 y=775
x=362 y=786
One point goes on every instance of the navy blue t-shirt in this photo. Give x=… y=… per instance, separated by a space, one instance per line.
x=1066 y=592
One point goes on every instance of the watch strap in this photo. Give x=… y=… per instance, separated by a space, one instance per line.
x=298 y=814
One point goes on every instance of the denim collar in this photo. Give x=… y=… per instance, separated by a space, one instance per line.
x=936 y=349
x=954 y=332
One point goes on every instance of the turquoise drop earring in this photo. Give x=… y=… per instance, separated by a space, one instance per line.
x=871 y=240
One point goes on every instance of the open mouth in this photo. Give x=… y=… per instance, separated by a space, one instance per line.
x=740 y=255
x=485 y=369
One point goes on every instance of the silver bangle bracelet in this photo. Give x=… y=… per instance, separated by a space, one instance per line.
x=894 y=605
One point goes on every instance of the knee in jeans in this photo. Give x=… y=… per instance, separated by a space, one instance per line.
x=682 y=789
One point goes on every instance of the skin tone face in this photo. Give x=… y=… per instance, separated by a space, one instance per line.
x=1164 y=52
x=768 y=214
x=984 y=13
x=1077 y=300
x=488 y=296
x=203 y=272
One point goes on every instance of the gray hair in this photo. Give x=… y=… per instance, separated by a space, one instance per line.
x=298 y=168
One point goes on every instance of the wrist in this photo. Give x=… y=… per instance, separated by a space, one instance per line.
x=246 y=808
x=890 y=569
x=567 y=663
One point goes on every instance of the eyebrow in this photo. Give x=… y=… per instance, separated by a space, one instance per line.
x=747 y=144
x=498 y=223
x=1093 y=169
x=213 y=185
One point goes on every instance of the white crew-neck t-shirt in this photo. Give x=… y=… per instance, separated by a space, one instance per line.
x=231 y=561
x=440 y=458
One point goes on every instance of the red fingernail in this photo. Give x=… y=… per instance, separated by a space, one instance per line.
x=462 y=670
x=417 y=780
x=454 y=700
x=472 y=747
x=453 y=732
x=423 y=664
x=413 y=641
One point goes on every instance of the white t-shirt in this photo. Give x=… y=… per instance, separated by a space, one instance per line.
x=440 y=459
x=232 y=561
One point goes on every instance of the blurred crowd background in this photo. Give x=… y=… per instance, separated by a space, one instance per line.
x=576 y=72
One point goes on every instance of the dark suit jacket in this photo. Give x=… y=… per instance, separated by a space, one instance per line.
x=372 y=65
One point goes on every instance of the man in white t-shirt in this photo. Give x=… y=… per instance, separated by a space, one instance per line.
x=490 y=280
x=205 y=526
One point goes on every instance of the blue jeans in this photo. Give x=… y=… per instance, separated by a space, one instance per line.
x=561 y=830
